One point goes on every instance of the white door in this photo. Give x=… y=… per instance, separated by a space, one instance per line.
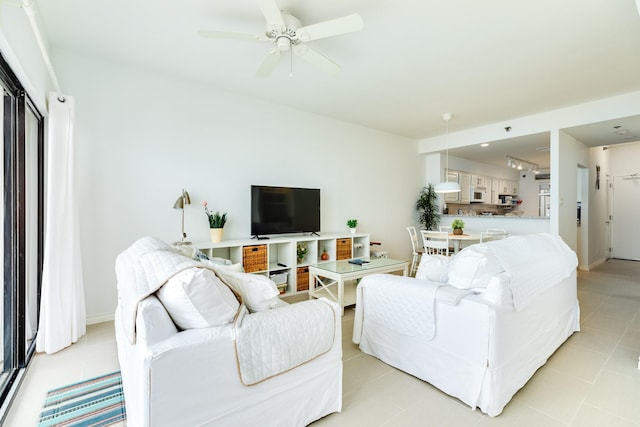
x=625 y=233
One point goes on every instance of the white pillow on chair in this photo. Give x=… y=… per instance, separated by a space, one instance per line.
x=473 y=267
x=433 y=268
x=196 y=298
x=258 y=292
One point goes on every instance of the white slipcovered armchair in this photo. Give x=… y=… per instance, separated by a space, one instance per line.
x=191 y=353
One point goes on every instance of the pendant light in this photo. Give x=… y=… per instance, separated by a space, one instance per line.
x=447 y=187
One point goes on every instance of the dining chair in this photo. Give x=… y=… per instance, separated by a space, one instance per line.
x=450 y=231
x=492 y=234
x=435 y=242
x=417 y=250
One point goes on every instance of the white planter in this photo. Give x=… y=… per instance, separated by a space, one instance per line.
x=216 y=234
x=352 y=230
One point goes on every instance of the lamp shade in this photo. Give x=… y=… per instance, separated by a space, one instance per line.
x=184 y=199
x=447 y=187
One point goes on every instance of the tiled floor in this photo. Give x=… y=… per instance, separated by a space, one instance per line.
x=592 y=380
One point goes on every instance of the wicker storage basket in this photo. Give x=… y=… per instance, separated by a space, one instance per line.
x=343 y=249
x=254 y=258
x=302 y=279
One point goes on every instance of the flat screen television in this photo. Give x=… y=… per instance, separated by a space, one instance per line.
x=281 y=210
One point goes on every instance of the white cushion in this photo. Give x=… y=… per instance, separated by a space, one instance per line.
x=258 y=292
x=473 y=267
x=215 y=263
x=433 y=268
x=153 y=323
x=196 y=298
x=498 y=292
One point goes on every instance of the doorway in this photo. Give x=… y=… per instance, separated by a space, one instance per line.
x=582 y=217
x=625 y=205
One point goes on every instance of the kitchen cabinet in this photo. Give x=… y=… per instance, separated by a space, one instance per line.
x=508 y=187
x=480 y=181
x=464 y=179
x=452 y=176
x=495 y=191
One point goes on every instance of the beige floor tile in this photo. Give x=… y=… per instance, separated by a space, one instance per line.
x=578 y=362
x=617 y=394
x=631 y=340
x=595 y=340
x=360 y=370
x=624 y=361
x=554 y=393
x=607 y=322
x=436 y=409
x=518 y=414
x=590 y=416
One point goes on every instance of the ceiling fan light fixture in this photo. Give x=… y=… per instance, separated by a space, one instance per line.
x=283 y=43
x=447 y=187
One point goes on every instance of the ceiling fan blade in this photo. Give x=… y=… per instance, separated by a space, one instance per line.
x=317 y=59
x=213 y=34
x=272 y=14
x=334 y=27
x=268 y=63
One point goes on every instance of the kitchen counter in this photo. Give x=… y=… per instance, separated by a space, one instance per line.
x=494 y=216
x=513 y=224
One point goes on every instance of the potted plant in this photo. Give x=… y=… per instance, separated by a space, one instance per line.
x=216 y=223
x=301 y=251
x=427 y=206
x=457 y=226
x=352 y=224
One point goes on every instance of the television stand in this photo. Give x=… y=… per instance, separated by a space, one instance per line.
x=314 y=232
x=260 y=237
x=265 y=257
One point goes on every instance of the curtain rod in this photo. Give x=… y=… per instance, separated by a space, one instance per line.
x=29 y=10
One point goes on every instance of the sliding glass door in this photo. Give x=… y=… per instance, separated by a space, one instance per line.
x=21 y=238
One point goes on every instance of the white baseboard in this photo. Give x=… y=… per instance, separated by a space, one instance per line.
x=100 y=319
x=592 y=265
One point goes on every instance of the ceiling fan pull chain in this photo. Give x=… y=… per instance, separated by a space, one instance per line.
x=290 y=62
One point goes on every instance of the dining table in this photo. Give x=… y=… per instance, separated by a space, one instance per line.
x=458 y=239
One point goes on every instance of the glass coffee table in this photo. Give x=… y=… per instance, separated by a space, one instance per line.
x=337 y=280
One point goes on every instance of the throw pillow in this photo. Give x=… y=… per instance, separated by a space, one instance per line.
x=433 y=268
x=473 y=267
x=258 y=292
x=196 y=298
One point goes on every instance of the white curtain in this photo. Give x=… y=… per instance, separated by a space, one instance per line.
x=62 y=307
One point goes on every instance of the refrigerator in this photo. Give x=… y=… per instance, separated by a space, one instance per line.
x=544 y=199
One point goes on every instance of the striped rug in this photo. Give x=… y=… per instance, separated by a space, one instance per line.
x=97 y=402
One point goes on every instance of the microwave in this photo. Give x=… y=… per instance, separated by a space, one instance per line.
x=478 y=194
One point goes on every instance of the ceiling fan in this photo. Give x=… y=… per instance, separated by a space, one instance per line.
x=287 y=34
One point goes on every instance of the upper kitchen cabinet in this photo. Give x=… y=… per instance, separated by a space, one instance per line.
x=464 y=196
x=465 y=187
x=452 y=176
x=480 y=181
x=508 y=187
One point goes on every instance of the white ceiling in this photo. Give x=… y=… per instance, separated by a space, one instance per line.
x=484 y=61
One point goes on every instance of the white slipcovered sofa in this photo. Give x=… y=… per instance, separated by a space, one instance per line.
x=477 y=325
x=192 y=354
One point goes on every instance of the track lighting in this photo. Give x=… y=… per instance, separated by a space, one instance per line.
x=515 y=163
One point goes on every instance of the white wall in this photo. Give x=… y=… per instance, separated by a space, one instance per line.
x=564 y=184
x=141 y=138
x=19 y=47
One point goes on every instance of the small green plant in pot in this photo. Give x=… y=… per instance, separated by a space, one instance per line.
x=216 y=223
x=301 y=252
x=352 y=224
x=457 y=226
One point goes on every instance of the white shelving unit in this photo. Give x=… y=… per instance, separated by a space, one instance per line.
x=280 y=256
